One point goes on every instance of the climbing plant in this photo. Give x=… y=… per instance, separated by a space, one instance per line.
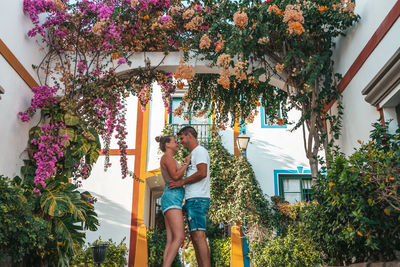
x=252 y=42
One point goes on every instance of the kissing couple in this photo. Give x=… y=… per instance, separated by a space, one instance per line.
x=194 y=189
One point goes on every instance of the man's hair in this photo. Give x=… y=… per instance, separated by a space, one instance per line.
x=188 y=129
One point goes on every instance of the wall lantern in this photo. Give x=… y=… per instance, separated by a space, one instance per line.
x=242 y=141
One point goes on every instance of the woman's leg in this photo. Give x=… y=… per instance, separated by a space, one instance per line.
x=175 y=221
x=169 y=237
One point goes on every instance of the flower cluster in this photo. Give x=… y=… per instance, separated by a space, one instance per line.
x=49 y=145
x=167 y=89
x=240 y=19
x=345 y=6
x=294 y=17
x=220 y=44
x=43 y=97
x=275 y=9
x=240 y=70
x=205 y=42
x=184 y=71
x=224 y=61
x=121 y=136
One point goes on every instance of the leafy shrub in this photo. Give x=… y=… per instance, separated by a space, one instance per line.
x=294 y=249
x=220 y=249
x=21 y=233
x=358 y=213
x=116 y=254
x=156 y=241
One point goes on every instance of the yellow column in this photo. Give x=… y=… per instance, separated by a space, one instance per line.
x=141 y=258
x=236 y=248
x=236 y=132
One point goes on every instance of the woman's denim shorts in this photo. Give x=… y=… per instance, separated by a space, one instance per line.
x=172 y=198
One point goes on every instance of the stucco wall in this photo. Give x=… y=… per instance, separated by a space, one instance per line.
x=358 y=114
x=114 y=195
x=274 y=149
x=17 y=97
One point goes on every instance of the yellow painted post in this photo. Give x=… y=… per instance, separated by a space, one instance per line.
x=141 y=259
x=236 y=247
x=236 y=132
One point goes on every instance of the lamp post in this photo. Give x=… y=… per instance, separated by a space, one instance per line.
x=99 y=253
x=242 y=141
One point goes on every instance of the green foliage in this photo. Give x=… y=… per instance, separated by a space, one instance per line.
x=235 y=192
x=21 y=233
x=156 y=241
x=285 y=214
x=116 y=254
x=220 y=249
x=238 y=102
x=293 y=249
x=357 y=215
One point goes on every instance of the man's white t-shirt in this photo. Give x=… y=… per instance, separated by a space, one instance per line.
x=202 y=187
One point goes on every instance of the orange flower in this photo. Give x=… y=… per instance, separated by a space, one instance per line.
x=178 y=111
x=275 y=9
x=240 y=19
x=146 y=17
x=322 y=8
x=279 y=67
x=205 y=42
x=115 y=56
x=254 y=26
x=224 y=79
x=184 y=71
x=180 y=85
x=295 y=27
x=280 y=121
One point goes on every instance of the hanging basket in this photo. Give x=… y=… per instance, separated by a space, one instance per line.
x=99 y=253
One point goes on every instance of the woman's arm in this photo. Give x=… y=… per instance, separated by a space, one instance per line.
x=174 y=172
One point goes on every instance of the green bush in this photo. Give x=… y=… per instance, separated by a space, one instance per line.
x=220 y=249
x=156 y=241
x=294 y=249
x=357 y=217
x=21 y=233
x=116 y=254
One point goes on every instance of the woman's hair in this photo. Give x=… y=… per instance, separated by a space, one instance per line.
x=163 y=139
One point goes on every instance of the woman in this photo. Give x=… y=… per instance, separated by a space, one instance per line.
x=172 y=199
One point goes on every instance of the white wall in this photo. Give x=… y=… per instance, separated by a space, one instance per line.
x=114 y=195
x=156 y=125
x=358 y=114
x=17 y=97
x=274 y=149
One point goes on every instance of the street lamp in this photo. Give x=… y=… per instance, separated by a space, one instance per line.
x=242 y=141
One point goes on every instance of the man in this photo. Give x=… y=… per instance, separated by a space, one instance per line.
x=197 y=193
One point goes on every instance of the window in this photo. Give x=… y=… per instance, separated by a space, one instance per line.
x=264 y=120
x=295 y=187
x=201 y=124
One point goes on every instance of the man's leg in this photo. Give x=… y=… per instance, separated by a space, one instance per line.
x=202 y=252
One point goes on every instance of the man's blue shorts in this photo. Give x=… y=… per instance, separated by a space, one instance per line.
x=196 y=211
x=172 y=198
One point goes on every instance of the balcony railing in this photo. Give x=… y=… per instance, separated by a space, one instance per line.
x=203 y=132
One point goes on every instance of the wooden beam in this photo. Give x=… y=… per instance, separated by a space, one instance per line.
x=16 y=65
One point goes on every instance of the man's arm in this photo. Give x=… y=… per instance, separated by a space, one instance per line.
x=194 y=178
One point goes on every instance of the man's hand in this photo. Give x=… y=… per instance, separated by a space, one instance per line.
x=175 y=184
